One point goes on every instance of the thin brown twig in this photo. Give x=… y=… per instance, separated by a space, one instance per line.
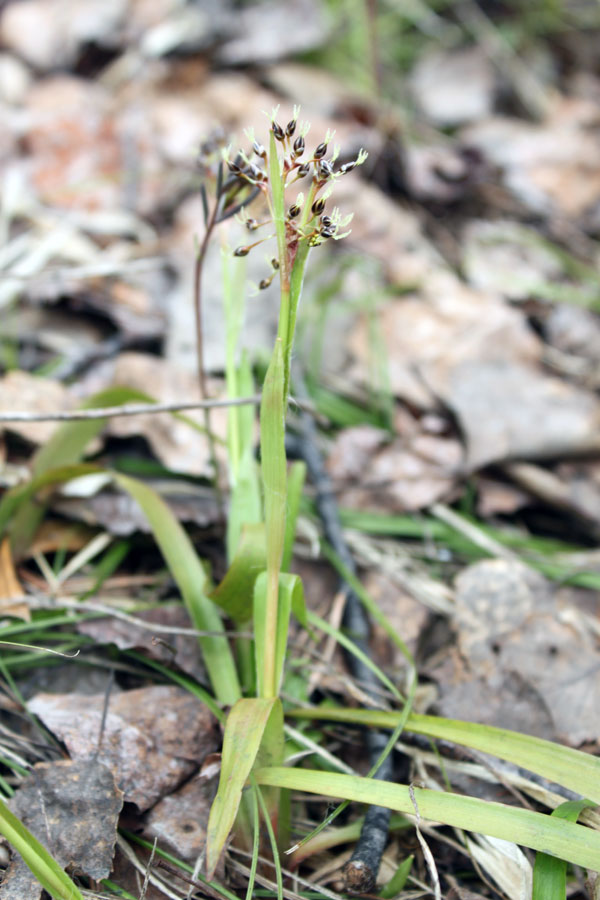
x=127 y=409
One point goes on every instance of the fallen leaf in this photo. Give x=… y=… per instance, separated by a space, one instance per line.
x=452 y=87
x=23 y=392
x=426 y=336
x=179 y=820
x=169 y=649
x=551 y=168
x=48 y=33
x=407 y=616
x=401 y=475
x=499 y=498
x=512 y=411
x=507 y=258
x=384 y=230
x=528 y=659
x=153 y=737
x=271 y=31
x=120 y=515
x=573 y=330
x=15 y=79
x=10 y=588
x=72 y=807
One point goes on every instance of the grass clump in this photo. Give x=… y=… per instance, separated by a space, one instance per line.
x=260 y=594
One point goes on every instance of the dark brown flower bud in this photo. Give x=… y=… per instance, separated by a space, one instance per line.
x=233 y=167
x=303 y=170
x=327 y=232
x=299 y=146
x=318 y=206
x=321 y=151
x=241 y=251
x=347 y=167
x=325 y=221
x=278 y=131
x=251 y=224
x=294 y=211
x=265 y=283
x=325 y=168
x=290 y=127
x=253 y=172
x=259 y=149
x=275 y=263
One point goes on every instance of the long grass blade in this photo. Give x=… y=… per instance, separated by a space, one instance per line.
x=549 y=873
x=246 y=725
x=187 y=570
x=563 y=839
x=573 y=769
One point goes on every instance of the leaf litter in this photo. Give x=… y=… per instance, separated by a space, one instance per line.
x=484 y=297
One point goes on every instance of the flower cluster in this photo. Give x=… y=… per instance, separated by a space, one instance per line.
x=306 y=217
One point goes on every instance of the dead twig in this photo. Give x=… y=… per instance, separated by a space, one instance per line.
x=360 y=872
x=127 y=409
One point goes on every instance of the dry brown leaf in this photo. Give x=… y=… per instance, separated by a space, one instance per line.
x=454 y=86
x=153 y=737
x=271 y=31
x=178 y=445
x=405 y=614
x=72 y=807
x=15 y=79
x=49 y=33
x=119 y=514
x=92 y=149
x=406 y=474
x=23 y=392
x=499 y=498
x=56 y=534
x=178 y=649
x=426 y=336
x=551 y=168
x=511 y=411
x=388 y=232
x=531 y=664
x=574 y=330
x=507 y=258
x=10 y=587
x=179 y=821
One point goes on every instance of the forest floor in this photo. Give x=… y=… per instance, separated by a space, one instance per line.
x=451 y=350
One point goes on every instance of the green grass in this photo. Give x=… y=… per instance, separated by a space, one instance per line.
x=261 y=596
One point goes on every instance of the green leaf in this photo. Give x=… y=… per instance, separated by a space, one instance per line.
x=244 y=731
x=290 y=597
x=296 y=478
x=274 y=476
x=65 y=447
x=580 y=772
x=245 y=507
x=549 y=873
x=22 y=493
x=187 y=570
x=47 y=871
x=396 y=883
x=576 y=844
x=235 y=592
